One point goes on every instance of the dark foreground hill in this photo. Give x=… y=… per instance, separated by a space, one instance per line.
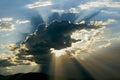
x=36 y=76
x=27 y=76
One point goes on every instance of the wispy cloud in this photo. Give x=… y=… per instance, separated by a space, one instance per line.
x=22 y=21
x=108 y=12
x=39 y=4
x=108 y=42
x=105 y=45
x=6 y=19
x=71 y=10
x=99 y=4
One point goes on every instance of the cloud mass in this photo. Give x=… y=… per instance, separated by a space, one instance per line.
x=40 y=46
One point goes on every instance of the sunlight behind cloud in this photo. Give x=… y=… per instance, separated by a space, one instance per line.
x=85 y=45
x=87 y=37
x=57 y=53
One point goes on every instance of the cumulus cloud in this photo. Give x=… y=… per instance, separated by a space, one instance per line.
x=6 y=26
x=39 y=4
x=22 y=21
x=99 y=4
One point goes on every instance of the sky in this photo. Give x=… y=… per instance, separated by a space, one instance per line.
x=32 y=28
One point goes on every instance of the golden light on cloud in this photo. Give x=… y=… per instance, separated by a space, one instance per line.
x=57 y=52
x=23 y=46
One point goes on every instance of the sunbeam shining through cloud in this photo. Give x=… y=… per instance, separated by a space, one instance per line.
x=59 y=39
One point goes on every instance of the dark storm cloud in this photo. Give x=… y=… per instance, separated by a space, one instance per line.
x=52 y=36
x=56 y=35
